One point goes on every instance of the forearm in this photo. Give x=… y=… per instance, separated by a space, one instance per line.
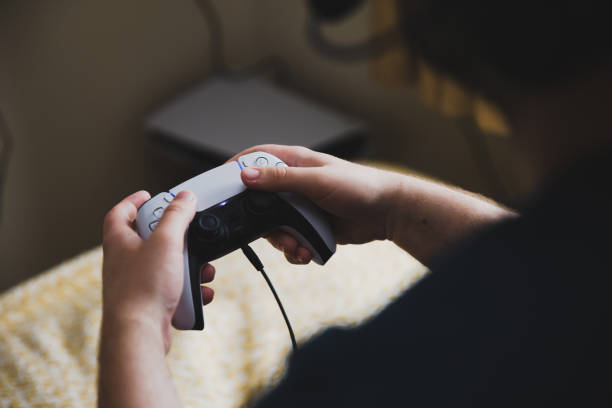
x=133 y=369
x=425 y=217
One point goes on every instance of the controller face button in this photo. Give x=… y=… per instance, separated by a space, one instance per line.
x=158 y=212
x=261 y=161
x=281 y=164
x=209 y=227
x=153 y=225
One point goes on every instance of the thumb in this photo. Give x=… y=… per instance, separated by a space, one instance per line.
x=176 y=219
x=312 y=182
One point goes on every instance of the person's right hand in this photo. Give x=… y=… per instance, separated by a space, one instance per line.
x=356 y=196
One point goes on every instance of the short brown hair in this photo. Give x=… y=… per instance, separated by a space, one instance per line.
x=530 y=44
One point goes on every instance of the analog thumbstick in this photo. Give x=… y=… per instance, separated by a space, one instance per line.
x=209 y=227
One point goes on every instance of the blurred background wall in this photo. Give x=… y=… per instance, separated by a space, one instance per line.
x=77 y=78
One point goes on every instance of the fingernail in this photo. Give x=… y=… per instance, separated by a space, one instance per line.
x=184 y=195
x=300 y=259
x=251 y=174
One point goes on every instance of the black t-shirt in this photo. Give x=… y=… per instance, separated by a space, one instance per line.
x=517 y=316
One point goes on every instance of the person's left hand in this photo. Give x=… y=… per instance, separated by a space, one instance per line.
x=142 y=281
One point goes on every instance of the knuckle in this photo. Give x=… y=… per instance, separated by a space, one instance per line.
x=291 y=259
x=279 y=173
x=109 y=224
x=303 y=151
x=174 y=208
x=110 y=216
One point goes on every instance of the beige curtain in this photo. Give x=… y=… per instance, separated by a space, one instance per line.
x=398 y=68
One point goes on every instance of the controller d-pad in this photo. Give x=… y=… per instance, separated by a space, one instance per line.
x=158 y=212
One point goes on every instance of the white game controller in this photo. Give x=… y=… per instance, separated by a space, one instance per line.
x=228 y=216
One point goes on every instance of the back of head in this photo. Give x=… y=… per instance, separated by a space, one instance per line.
x=498 y=46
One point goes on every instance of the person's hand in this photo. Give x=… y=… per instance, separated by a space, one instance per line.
x=142 y=281
x=355 y=196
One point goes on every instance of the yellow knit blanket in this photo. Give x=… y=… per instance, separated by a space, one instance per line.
x=49 y=325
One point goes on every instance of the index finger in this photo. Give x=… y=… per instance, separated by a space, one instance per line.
x=294 y=156
x=118 y=221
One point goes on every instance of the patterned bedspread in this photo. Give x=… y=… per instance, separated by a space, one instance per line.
x=49 y=325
